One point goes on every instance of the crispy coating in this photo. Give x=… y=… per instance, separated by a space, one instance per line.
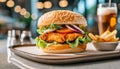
x=51 y=37
x=59 y=37
x=72 y=36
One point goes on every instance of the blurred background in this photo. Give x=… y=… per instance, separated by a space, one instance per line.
x=23 y=14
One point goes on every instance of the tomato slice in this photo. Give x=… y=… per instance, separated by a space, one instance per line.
x=65 y=31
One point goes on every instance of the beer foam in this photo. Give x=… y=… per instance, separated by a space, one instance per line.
x=106 y=10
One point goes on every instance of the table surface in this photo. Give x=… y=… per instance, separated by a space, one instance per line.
x=106 y=64
x=3 y=57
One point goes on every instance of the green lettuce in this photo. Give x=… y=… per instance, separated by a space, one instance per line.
x=73 y=44
x=54 y=26
x=79 y=40
x=41 y=30
x=40 y=43
x=43 y=44
x=51 y=26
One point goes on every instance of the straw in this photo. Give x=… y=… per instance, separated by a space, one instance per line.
x=109 y=3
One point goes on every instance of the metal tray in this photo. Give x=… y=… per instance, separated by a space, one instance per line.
x=31 y=52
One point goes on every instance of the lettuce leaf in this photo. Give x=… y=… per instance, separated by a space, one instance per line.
x=43 y=44
x=73 y=44
x=41 y=30
x=79 y=40
x=40 y=43
x=54 y=26
x=51 y=26
x=87 y=39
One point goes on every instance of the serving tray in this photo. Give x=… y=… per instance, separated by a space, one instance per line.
x=31 y=52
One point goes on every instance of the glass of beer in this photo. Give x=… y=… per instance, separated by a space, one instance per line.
x=107 y=17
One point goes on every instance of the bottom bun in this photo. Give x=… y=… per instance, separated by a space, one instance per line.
x=64 y=48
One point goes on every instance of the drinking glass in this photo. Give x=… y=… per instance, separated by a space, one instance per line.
x=107 y=17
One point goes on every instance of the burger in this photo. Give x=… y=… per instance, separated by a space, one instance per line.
x=62 y=31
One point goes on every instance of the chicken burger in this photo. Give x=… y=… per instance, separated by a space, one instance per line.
x=62 y=31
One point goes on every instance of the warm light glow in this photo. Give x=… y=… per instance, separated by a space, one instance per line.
x=47 y=4
x=40 y=5
x=27 y=15
x=34 y=16
x=63 y=3
x=17 y=9
x=2 y=0
x=10 y=3
x=23 y=11
x=112 y=22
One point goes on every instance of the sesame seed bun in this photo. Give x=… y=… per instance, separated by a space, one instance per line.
x=61 y=17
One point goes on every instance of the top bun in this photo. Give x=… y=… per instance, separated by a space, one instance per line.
x=61 y=17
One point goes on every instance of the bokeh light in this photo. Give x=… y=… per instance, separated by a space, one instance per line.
x=17 y=8
x=63 y=3
x=47 y=4
x=23 y=11
x=10 y=3
x=40 y=5
x=2 y=0
x=34 y=16
x=27 y=15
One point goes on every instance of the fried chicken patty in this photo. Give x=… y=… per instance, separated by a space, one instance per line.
x=59 y=37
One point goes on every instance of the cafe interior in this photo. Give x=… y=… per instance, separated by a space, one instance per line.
x=19 y=19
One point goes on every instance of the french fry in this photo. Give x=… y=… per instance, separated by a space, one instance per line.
x=113 y=33
x=109 y=39
x=100 y=40
x=116 y=39
x=105 y=37
x=97 y=36
x=104 y=34
x=92 y=36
